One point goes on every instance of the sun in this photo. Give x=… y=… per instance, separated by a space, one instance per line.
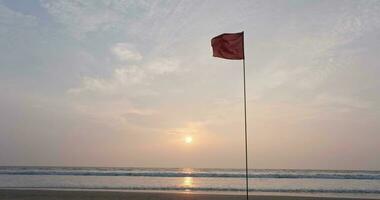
x=188 y=139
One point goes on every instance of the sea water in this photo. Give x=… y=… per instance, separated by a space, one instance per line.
x=365 y=184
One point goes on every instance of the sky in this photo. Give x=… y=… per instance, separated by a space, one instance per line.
x=122 y=83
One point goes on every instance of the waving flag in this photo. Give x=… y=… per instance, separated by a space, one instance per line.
x=228 y=46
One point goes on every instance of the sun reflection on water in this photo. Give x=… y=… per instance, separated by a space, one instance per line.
x=187 y=183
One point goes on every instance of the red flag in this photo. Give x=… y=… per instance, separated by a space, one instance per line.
x=228 y=46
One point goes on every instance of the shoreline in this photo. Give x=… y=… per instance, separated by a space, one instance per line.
x=47 y=194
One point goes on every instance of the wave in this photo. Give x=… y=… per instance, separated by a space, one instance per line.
x=212 y=189
x=273 y=174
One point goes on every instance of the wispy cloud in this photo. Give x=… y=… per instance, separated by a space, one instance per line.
x=189 y=128
x=122 y=77
x=10 y=17
x=82 y=17
x=163 y=66
x=125 y=52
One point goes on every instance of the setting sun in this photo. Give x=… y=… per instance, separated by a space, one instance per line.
x=188 y=139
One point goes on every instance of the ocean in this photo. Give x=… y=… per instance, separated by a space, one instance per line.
x=365 y=184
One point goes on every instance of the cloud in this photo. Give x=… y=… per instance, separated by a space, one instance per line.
x=141 y=112
x=189 y=128
x=163 y=66
x=297 y=64
x=302 y=60
x=348 y=103
x=13 y=23
x=8 y=17
x=124 y=77
x=126 y=82
x=81 y=17
x=121 y=78
x=124 y=52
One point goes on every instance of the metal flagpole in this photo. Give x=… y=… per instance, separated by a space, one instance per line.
x=245 y=123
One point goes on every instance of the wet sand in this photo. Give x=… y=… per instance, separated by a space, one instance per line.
x=17 y=194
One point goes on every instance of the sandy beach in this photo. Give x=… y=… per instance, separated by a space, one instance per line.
x=10 y=194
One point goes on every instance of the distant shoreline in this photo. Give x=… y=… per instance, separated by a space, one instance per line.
x=33 y=194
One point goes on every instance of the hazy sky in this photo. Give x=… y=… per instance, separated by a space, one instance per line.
x=121 y=83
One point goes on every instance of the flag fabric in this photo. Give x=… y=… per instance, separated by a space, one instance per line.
x=228 y=46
